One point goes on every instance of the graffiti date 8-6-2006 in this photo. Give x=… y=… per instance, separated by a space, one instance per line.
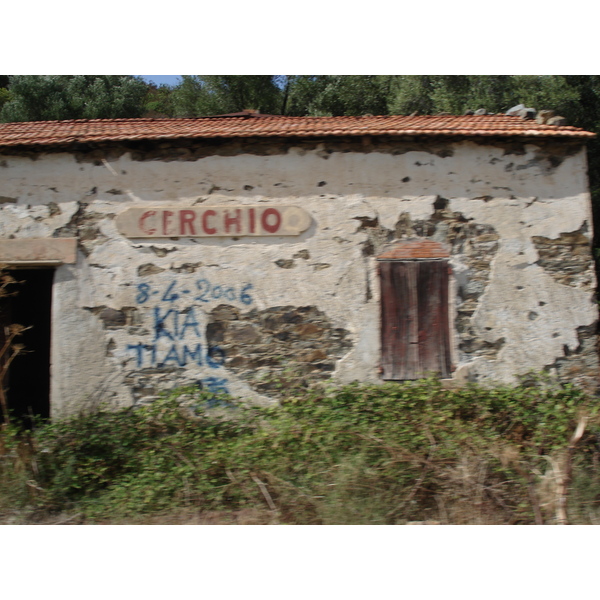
x=204 y=291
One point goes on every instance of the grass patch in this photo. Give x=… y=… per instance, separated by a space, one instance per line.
x=354 y=454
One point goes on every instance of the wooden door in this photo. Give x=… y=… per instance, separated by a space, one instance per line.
x=415 y=334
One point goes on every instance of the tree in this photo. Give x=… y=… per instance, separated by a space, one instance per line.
x=5 y=96
x=455 y=94
x=296 y=95
x=412 y=93
x=4 y=93
x=585 y=112
x=59 y=97
x=203 y=95
x=159 y=101
x=338 y=95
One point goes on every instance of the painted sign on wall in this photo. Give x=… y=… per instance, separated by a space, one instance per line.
x=178 y=329
x=212 y=221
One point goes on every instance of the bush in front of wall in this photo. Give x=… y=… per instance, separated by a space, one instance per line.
x=353 y=454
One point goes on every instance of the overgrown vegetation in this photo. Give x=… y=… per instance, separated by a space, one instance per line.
x=354 y=454
x=9 y=347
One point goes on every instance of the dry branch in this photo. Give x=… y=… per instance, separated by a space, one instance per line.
x=265 y=492
x=564 y=475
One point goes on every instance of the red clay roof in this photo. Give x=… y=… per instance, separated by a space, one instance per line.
x=412 y=249
x=110 y=130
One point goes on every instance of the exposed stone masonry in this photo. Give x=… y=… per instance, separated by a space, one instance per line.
x=567 y=258
x=580 y=366
x=261 y=345
x=84 y=226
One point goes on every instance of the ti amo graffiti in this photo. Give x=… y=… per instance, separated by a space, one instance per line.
x=176 y=355
x=176 y=332
x=179 y=327
x=173 y=324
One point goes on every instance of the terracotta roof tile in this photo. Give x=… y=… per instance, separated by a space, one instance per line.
x=251 y=125
x=412 y=249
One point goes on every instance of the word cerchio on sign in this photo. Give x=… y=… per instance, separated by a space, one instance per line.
x=212 y=221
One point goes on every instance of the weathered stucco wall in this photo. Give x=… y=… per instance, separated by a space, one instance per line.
x=134 y=316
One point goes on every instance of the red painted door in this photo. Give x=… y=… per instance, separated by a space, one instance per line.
x=415 y=334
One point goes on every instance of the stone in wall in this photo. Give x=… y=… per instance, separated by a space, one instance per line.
x=377 y=235
x=580 y=366
x=114 y=318
x=84 y=225
x=474 y=245
x=147 y=384
x=567 y=258
x=262 y=345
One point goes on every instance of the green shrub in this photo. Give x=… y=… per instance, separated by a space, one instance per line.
x=357 y=453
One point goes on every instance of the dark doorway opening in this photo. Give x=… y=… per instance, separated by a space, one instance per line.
x=28 y=380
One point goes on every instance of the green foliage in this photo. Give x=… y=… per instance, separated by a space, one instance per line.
x=58 y=97
x=430 y=94
x=412 y=93
x=159 y=101
x=201 y=95
x=34 y=97
x=350 y=454
x=138 y=458
x=301 y=93
x=17 y=458
x=296 y=95
x=189 y=97
x=5 y=96
x=338 y=95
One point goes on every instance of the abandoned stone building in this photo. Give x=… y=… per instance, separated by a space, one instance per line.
x=220 y=252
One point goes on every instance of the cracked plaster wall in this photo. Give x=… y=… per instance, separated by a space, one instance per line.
x=131 y=317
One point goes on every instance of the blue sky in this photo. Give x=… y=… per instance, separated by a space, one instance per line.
x=161 y=79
